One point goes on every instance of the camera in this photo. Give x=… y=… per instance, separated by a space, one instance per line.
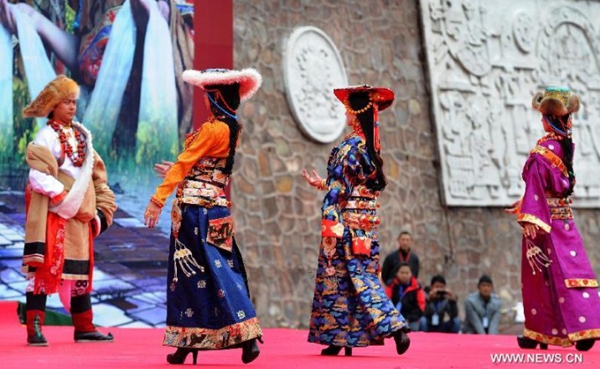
x=441 y=293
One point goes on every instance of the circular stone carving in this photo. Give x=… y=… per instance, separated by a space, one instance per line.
x=312 y=69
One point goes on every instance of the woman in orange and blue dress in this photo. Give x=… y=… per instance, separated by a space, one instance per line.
x=350 y=307
x=208 y=302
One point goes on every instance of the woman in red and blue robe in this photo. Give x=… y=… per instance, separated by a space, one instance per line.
x=350 y=307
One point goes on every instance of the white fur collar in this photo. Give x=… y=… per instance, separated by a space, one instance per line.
x=71 y=204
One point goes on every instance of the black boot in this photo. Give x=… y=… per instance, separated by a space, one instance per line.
x=35 y=313
x=250 y=351
x=179 y=356
x=85 y=330
x=584 y=345
x=83 y=337
x=334 y=350
x=402 y=342
x=528 y=343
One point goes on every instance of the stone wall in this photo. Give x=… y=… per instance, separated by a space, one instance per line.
x=278 y=215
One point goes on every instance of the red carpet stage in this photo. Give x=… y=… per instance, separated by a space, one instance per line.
x=283 y=349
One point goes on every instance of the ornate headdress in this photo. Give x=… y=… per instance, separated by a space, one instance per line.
x=380 y=98
x=555 y=103
x=59 y=89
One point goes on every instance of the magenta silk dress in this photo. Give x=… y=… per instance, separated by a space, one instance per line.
x=559 y=287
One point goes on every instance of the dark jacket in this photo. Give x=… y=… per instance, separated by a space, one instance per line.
x=413 y=298
x=392 y=263
x=445 y=309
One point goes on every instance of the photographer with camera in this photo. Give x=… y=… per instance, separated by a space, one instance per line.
x=441 y=310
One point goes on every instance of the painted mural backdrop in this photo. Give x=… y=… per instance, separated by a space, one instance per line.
x=126 y=55
x=486 y=60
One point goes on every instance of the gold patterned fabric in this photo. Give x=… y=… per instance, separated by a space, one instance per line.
x=213 y=339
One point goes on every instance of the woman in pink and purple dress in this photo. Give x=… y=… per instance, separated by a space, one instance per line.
x=559 y=287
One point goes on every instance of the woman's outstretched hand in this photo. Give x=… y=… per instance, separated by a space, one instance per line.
x=530 y=230
x=514 y=208
x=151 y=214
x=162 y=169
x=315 y=180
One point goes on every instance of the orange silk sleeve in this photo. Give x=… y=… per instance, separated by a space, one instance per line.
x=211 y=140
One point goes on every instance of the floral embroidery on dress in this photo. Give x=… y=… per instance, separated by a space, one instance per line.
x=220 y=233
x=189 y=313
x=175 y=217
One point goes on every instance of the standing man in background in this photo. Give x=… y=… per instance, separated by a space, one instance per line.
x=404 y=255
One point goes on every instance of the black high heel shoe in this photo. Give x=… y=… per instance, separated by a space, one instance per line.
x=250 y=350
x=584 y=345
x=528 y=343
x=334 y=350
x=402 y=342
x=179 y=356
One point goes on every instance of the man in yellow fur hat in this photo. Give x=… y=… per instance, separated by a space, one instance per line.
x=68 y=203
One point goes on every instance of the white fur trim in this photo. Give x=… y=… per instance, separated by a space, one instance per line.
x=71 y=204
x=248 y=78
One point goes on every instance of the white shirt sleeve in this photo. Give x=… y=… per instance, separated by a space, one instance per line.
x=43 y=183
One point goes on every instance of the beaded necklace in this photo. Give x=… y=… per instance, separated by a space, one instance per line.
x=550 y=136
x=64 y=144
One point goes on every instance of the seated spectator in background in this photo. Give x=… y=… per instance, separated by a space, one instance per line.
x=441 y=310
x=407 y=296
x=482 y=309
x=402 y=255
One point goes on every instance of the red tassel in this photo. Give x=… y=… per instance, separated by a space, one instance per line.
x=91 y=272
x=49 y=275
x=376 y=128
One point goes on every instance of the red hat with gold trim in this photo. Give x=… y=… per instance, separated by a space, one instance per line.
x=380 y=96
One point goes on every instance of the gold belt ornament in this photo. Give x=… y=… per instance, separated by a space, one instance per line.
x=365 y=222
x=204 y=202
x=203 y=194
x=560 y=208
x=362 y=205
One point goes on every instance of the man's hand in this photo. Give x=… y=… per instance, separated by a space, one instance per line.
x=8 y=17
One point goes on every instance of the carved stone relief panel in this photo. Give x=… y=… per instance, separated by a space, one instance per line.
x=312 y=69
x=486 y=59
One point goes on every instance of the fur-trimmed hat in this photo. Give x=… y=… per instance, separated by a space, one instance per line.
x=249 y=79
x=556 y=101
x=59 y=89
